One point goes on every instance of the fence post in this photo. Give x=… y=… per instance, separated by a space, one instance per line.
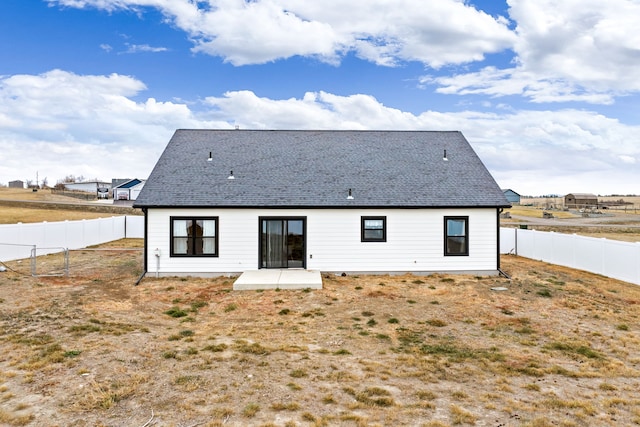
x=33 y=261
x=574 y=238
x=603 y=263
x=66 y=262
x=638 y=263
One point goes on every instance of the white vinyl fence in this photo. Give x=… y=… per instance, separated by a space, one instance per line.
x=18 y=240
x=611 y=258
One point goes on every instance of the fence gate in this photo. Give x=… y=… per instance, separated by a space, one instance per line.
x=50 y=262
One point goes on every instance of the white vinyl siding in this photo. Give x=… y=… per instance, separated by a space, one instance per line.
x=414 y=241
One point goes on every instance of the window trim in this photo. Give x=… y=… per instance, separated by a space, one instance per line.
x=466 y=235
x=363 y=219
x=193 y=219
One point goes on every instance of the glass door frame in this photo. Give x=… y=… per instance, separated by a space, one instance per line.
x=285 y=220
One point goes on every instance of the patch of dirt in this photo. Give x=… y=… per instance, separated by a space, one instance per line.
x=557 y=347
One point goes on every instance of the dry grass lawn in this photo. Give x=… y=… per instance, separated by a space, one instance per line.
x=558 y=347
x=14 y=215
x=529 y=211
x=614 y=225
x=44 y=206
x=44 y=195
x=558 y=201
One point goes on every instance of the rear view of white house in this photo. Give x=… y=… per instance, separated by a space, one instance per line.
x=230 y=201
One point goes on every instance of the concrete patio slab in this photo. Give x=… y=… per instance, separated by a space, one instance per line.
x=278 y=279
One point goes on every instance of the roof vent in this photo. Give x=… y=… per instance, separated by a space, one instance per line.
x=350 y=196
x=237 y=127
x=444 y=157
x=210 y=159
x=231 y=176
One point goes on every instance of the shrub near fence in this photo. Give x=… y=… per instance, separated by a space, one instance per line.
x=611 y=258
x=17 y=240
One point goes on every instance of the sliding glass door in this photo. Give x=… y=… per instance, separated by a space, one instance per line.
x=282 y=243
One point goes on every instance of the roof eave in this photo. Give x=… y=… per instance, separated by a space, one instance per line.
x=497 y=206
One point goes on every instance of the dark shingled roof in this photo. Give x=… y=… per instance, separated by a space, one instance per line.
x=302 y=168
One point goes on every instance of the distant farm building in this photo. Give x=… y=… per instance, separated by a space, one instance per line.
x=511 y=196
x=94 y=187
x=580 y=201
x=16 y=184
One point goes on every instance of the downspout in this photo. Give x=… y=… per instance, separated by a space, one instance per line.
x=500 y=272
x=144 y=251
x=140 y=278
x=499 y=210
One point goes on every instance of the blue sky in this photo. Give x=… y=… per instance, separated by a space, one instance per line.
x=546 y=93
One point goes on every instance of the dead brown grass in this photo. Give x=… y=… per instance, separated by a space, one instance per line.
x=608 y=224
x=559 y=200
x=27 y=194
x=533 y=212
x=14 y=215
x=559 y=347
x=21 y=205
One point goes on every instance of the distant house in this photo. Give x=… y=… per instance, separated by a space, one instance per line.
x=93 y=187
x=16 y=184
x=512 y=196
x=229 y=201
x=117 y=181
x=580 y=201
x=128 y=190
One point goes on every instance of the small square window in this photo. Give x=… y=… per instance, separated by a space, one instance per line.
x=196 y=236
x=374 y=229
x=456 y=236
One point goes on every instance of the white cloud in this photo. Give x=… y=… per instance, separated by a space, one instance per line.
x=570 y=50
x=137 y=48
x=533 y=152
x=593 y=42
x=381 y=31
x=59 y=123
x=563 y=51
x=630 y=160
x=494 y=82
x=315 y=110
